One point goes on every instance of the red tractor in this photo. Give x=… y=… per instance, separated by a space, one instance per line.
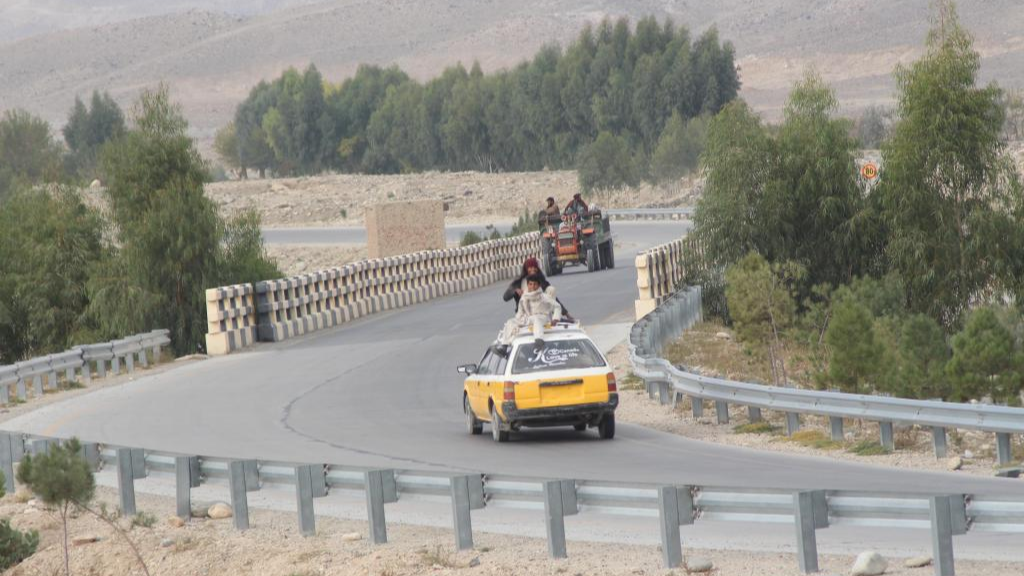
x=569 y=240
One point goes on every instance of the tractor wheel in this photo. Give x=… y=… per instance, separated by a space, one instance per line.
x=609 y=258
x=592 y=263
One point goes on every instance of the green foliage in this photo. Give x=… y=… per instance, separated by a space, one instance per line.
x=761 y=427
x=28 y=153
x=986 y=361
x=868 y=448
x=470 y=238
x=789 y=194
x=173 y=245
x=226 y=145
x=813 y=439
x=855 y=350
x=143 y=519
x=922 y=355
x=949 y=196
x=542 y=113
x=51 y=242
x=606 y=164
x=679 y=147
x=1012 y=103
x=88 y=129
x=60 y=476
x=15 y=545
x=526 y=223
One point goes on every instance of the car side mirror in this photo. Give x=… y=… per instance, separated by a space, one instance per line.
x=467 y=369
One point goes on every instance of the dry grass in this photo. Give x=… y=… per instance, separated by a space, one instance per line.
x=814 y=439
x=761 y=427
x=438 y=556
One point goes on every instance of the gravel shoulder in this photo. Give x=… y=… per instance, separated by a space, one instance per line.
x=273 y=546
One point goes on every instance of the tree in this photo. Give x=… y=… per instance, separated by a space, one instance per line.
x=62 y=479
x=873 y=126
x=15 y=545
x=227 y=146
x=172 y=242
x=87 y=130
x=606 y=164
x=948 y=195
x=679 y=147
x=923 y=354
x=28 y=153
x=986 y=361
x=762 y=306
x=855 y=353
x=50 y=244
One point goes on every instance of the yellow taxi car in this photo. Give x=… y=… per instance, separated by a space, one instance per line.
x=563 y=381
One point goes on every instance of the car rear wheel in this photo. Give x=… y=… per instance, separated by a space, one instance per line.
x=475 y=426
x=580 y=427
x=497 y=433
x=606 y=429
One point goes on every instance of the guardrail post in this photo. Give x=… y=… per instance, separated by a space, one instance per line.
x=461 y=512
x=792 y=423
x=51 y=379
x=183 y=485
x=836 y=425
x=115 y=365
x=754 y=414
x=126 y=481
x=86 y=372
x=942 y=535
x=37 y=386
x=252 y=475
x=239 y=499
x=129 y=362
x=675 y=509
x=663 y=393
x=652 y=387
x=1003 y=453
x=22 y=393
x=807 y=521
x=375 y=506
x=5 y=394
x=304 y=496
x=886 y=436
x=554 y=519
x=90 y=452
x=722 y=411
x=939 y=441
x=697 y=405
x=7 y=440
x=138 y=463
x=143 y=361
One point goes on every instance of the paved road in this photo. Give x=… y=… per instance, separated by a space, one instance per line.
x=384 y=392
x=357 y=235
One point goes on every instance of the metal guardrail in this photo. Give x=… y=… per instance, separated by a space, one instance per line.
x=680 y=311
x=77 y=363
x=945 y=515
x=679 y=213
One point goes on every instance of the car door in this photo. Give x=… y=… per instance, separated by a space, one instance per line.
x=476 y=385
x=496 y=381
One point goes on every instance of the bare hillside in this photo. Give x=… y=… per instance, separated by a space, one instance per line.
x=211 y=58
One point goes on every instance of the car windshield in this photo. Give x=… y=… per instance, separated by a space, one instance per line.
x=556 y=355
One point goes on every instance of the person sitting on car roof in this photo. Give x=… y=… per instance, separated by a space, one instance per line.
x=516 y=288
x=537 y=307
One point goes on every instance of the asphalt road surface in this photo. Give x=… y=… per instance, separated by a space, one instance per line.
x=383 y=391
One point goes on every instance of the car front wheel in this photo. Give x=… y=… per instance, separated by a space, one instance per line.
x=475 y=426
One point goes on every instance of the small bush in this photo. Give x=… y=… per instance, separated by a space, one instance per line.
x=868 y=448
x=439 y=556
x=470 y=238
x=143 y=520
x=632 y=382
x=814 y=439
x=15 y=545
x=755 y=428
x=526 y=224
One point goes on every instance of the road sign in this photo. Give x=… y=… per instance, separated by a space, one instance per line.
x=869 y=171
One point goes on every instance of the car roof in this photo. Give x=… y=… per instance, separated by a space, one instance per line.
x=559 y=332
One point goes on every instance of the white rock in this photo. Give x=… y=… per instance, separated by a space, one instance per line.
x=918 y=562
x=723 y=336
x=968 y=454
x=219 y=511
x=166 y=543
x=869 y=563
x=697 y=564
x=955 y=463
x=351 y=537
x=95 y=184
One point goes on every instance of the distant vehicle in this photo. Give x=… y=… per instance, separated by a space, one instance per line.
x=567 y=241
x=565 y=382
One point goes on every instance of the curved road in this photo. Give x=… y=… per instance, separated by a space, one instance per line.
x=383 y=391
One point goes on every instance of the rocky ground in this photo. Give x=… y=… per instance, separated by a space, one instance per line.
x=274 y=547
x=470 y=197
